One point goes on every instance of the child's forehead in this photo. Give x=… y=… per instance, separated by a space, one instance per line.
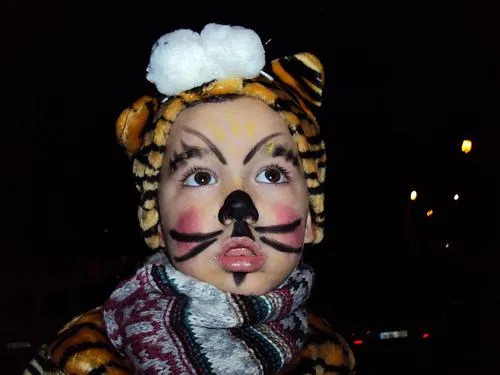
x=236 y=120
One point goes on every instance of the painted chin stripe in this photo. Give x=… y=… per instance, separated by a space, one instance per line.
x=193 y=237
x=280 y=246
x=239 y=277
x=283 y=228
x=195 y=251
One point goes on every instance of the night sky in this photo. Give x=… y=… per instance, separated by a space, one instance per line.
x=404 y=87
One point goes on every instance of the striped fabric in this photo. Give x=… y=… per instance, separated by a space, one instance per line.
x=169 y=323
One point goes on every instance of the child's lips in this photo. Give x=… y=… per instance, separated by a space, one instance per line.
x=240 y=254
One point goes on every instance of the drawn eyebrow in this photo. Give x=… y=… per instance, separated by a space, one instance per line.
x=209 y=143
x=187 y=153
x=256 y=148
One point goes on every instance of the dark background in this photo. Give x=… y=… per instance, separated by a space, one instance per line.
x=404 y=86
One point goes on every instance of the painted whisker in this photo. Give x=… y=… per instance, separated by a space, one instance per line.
x=280 y=246
x=195 y=250
x=281 y=228
x=193 y=237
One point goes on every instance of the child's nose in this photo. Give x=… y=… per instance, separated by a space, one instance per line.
x=238 y=206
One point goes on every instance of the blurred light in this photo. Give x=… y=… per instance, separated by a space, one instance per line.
x=426 y=335
x=466 y=146
x=447 y=245
x=106 y=230
x=413 y=195
x=456 y=197
x=430 y=213
x=358 y=342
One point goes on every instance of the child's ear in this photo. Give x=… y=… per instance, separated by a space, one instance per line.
x=309 y=232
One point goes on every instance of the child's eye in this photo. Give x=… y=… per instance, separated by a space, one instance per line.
x=199 y=178
x=272 y=175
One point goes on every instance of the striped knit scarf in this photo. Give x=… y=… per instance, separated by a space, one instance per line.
x=169 y=323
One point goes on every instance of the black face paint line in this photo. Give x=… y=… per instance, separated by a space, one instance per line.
x=218 y=154
x=195 y=251
x=238 y=206
x=188 y=152
x=287 y=154
x=239 y=278
x=242 y=229
x=256 y=148
x=281 y=246
x=282 y=228
x=193 y=237
x=206 y=240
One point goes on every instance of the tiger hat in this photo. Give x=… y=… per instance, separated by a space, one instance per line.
x=228 y=62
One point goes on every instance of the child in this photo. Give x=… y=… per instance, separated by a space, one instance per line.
x=230 y=167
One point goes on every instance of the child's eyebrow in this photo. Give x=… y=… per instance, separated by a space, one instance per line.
x=256 y=148
x=188 y=152
x=209 y=143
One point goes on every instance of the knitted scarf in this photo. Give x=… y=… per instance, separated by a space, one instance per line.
x=169 y=323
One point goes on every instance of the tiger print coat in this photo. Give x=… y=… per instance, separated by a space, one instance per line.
x=82 y=348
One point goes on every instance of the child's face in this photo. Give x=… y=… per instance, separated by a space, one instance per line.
x=233 y=199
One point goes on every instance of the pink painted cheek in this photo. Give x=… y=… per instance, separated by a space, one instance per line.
x=188 y=222
x=284 y=215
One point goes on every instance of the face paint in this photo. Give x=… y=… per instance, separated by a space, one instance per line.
x=289 y=234
x=280 y=247
x=256 y=148
x=270 y=147
x=188 y=222
x=215 y=150
x=250 y=129
x=195 y=250
x=204 y=240
x=239 y=278
x=188 y=152
x=238 y=206
x=280 y=228
x=234 y=125
x=240 y=254
x=217 y=131
x=191 y=242
x=242 y=229
x=289 y=155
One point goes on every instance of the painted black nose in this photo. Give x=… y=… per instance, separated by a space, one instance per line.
x=238 y=206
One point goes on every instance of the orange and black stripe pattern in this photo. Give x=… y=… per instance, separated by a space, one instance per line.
x=295 y=92
x=325 y=353
x=81 y=348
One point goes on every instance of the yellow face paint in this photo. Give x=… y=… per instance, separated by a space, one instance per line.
x=233 y=124
x=250 y=129
x=238 y=182
x=270 y=147
x=217 y=131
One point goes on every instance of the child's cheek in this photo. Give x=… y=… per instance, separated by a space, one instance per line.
x=188 y=222
x=284 y=215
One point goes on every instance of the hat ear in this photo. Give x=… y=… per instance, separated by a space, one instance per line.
x=303 y=73
x=134 y=121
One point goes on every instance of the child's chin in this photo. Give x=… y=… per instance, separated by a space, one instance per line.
x=252 y=284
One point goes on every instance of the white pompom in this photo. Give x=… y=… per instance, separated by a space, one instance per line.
x=184 y=59
x=235 y=50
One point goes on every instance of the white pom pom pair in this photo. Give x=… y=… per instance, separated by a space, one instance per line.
x=184 y=59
